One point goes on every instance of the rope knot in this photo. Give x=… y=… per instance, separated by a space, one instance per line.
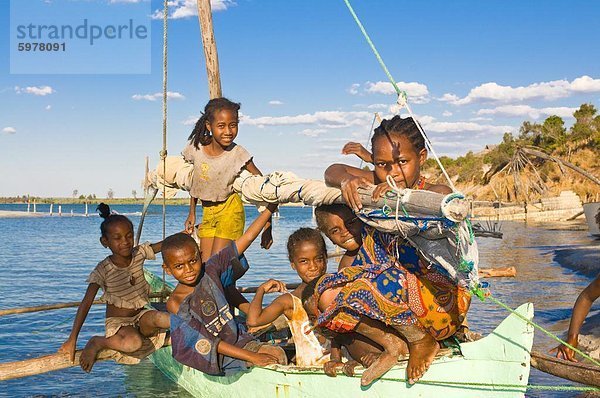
x=163 y=154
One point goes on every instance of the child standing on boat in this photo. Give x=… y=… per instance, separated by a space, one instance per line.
x=204 y=333
x=431 y=296
x=133 y=331
x=217 y=162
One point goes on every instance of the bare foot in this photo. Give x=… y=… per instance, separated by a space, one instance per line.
x=422 y=352
x=349 y=367
x=368 y=359
x=88 y=354
x=378 y=368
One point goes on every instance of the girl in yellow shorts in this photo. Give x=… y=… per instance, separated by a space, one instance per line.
x=217 y=162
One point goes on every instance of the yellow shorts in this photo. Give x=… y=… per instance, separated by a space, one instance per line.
x=225 y=220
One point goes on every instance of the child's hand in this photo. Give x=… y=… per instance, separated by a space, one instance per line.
x=380 y=190
x=266 y=238
x=189 y=224
x=330 y=368
x=349 y=188
x=260 y=359
x=272 y=286
x=358 y=150
x=68 y=348
x=564 y=352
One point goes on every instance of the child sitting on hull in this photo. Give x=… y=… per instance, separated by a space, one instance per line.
x=204 y=334
x=132 y=330
x=371 y=301
x=308 y=257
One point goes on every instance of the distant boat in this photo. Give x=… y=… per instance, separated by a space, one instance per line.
x=592 y=216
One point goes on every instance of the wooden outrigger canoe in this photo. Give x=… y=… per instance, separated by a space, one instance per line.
x=498 y=365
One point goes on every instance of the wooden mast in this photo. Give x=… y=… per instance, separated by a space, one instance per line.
x=210 y=48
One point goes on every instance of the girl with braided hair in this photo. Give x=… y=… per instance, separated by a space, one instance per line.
x=430 y=305
x=217 y=162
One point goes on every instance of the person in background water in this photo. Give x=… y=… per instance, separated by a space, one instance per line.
x=217 y=161
x=133 y=331
x=582 y=307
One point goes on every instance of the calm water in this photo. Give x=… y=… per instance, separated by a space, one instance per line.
x=47 y=259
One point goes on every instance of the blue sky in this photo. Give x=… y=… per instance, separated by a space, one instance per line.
x=307 y=81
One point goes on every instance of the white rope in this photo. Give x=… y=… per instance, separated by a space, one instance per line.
x=430 y=147
x=392 y=183
x=163 y=152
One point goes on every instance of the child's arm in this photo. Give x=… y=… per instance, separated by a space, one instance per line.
x=347 y=259
x=266 y=239
x=256 y=358
x=335 y=358
x=156 y=247
x=580 y=310
x=254 y=229
x=257 y=315
x=348 y=179
x=70 y=345
x=235 y=298
x=191 y=219
x=358 y=150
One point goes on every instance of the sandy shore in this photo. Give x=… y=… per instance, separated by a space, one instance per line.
x=16 y=214
x=582 y=259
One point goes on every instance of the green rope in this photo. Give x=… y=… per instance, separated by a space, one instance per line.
x=54 y=325
x=400 y=93
x=385 y=69
x=482 y=296
x=494 y=386
x=487 y=386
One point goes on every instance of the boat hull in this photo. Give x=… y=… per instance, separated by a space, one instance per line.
x=592 y=216
x=501 y=358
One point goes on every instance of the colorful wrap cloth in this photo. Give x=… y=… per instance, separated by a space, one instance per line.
x=377 y=291
x=204 y=318
x=434 y=299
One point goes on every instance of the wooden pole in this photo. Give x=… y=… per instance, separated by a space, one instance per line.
x=210 y=48
x=57 y=306
x=574 y=371
x=44 y=364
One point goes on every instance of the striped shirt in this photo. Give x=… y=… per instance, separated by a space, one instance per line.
x=124 y=287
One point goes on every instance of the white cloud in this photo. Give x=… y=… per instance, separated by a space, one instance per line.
x=190 y=121
x=417 y=93
x=9 y=130
x=448 y=98
x=430 y=125
x=324 y=119
x=48 y=107
x=480 y=119
x=189 y=8
x=447 y=113
x=528 y=111
x=275 y=102
x=312 y=132
x=378 y=106
x=493 y=92
x=156 y=96
x=354 y=89
x=39 y=90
